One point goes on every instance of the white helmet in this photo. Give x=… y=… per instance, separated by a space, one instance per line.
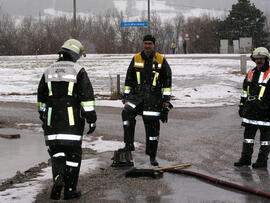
x=73 y=48
x=260 y=52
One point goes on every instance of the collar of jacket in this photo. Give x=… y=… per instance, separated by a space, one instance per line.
x=144 y=57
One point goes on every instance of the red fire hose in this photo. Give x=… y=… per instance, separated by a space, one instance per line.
x=221 y=182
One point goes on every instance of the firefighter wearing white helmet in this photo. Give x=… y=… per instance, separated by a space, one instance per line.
x=260 y=52
x=65 y=101
x=254 y=108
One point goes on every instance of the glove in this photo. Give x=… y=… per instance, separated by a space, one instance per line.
x=42 y=116
x=240 y=111
x=164 y=113
x=164 y=116
x=92 y=127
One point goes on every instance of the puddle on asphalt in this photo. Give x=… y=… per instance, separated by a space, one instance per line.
x=21 y=154
x=118 y=195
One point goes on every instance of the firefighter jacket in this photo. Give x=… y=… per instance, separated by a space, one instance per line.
x=148 y=81
x=65 y=100
x=255 y=97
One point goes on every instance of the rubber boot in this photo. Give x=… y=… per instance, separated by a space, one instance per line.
x=72 y=176
x=262 y=157
x=58 y=170
x=129 y=131
x=246 y=155
x=57 y=187
x=153 y=161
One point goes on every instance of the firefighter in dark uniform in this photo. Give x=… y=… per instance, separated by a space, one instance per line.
x=254 y=108
x=65 y=101
x=147 y=92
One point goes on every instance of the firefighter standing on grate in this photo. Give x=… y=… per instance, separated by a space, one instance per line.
x=65 y=101
x=147 y=92
x=254 y=108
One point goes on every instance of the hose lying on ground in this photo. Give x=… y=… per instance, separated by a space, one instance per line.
x=219 y=181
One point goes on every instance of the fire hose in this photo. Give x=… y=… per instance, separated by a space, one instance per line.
x=220 y=182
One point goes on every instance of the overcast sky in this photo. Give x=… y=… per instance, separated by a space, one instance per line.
x=34 y=7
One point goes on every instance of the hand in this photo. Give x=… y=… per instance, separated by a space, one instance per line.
x=165 y=104
x=92 y=127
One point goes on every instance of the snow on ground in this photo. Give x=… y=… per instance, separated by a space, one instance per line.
x=198 y=79
x=26 y=192
x=106 y=145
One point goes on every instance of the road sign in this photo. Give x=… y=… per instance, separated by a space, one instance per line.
x=133 y=24
x=169 y=33
x=186 y=36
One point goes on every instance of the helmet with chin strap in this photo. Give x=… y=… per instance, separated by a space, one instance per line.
x=72 y=49
x=260 y=52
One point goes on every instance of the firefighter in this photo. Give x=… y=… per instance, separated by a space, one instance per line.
x=173 y=47
x=65 y=101
x=147 y=92
x=255 y=111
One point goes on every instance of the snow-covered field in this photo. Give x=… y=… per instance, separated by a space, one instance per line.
x=198 y=80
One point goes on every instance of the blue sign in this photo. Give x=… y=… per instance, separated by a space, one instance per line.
x=133 y=24
x=169 y=33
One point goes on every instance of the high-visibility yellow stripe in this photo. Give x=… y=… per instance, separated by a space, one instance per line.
x=248 y=90
x=138 y=77
x=261 y=92
x=70 y=88
x=49 y=116
x=166 y=89
x=70 y=115
x=155 y=79
x=127 y=88
x=50 y=88
x=88 y=103
x=40 y=104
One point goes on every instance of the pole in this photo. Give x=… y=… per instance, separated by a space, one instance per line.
x=243 y=64
x=148 y=24
x=118 y=85
x=74 y=16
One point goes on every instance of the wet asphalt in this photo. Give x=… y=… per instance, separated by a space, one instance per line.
x=208 y=138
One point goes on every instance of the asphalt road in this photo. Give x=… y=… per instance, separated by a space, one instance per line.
x=208 y=138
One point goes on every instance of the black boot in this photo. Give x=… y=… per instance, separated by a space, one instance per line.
x=72 y=174
x=129 y=147
x=153 y=161
x=246 y=155
x=246 y=161
x=58 y=171
x=262 y=157
x=57 y=187
x=72 y=194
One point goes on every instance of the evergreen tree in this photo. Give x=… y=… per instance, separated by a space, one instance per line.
x=244 y=20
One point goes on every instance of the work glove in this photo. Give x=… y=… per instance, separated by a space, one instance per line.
x=164 y=116
x=92 y=127
x=164 y=113
x=240 y=111
x=41 y=115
